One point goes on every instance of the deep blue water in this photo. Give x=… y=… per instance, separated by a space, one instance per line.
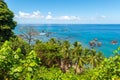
x=84 y=33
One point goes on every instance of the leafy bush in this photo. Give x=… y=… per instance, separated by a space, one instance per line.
x=18 y=42
x=109 y=69
x=13 y=65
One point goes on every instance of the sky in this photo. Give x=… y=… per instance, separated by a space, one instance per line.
x=65 y=11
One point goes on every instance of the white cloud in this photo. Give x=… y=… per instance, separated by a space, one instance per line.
x=103 y=17
x=95 y=18
x=69 y=18
x=37 y=17
x=35 y=14
x=49 y=13
x=64 y=18
x=49 y=16
x=77 y=18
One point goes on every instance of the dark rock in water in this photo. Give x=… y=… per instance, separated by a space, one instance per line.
x=95 y=39
x=99 y=44
x=114 y=42
x=95 y=43
x=92 y=43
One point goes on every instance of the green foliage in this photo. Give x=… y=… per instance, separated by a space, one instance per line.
x=14 y=65
x=109 y=69
x=64 y=55
x=6 y=22
x=116 y=52
x=55 y=74
x=56 y=58
x=8 y=58
x=26 y=68
x=51 y=60
x=48 y=52
x=17 y=42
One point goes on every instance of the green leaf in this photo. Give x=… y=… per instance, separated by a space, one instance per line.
x=119 y=48
x=18 y=69
x=30 y=69
x=16 y=56
x=33 y=64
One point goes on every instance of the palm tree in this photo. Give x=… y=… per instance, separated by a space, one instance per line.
x=78 y=57
x=53 y=55
x=65 y=60
x=95 y=58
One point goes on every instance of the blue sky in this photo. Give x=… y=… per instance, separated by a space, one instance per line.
x=66 y=11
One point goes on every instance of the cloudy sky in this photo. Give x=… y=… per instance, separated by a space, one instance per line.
x=65 y=11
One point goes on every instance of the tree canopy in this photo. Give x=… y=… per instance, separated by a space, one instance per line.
x=7 y=24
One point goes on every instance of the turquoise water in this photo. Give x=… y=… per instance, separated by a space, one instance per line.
x=84 y=33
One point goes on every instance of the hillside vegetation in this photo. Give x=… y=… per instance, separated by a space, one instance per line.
x=51 y=60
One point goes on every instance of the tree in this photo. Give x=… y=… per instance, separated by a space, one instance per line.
x=78 y=59
x=7 y=24
x=65 y=52
x=48 y=52
x=19 y=43
x=28 y=33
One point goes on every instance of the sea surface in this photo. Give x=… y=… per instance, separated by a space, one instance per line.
x=84 y=33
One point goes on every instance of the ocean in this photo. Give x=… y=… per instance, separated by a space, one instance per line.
x=84 y=33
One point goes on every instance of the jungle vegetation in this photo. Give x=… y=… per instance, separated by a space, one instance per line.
x=51 y=60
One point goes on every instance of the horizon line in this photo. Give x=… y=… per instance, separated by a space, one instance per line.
x=68 y=23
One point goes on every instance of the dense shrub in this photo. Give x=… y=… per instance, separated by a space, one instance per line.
x=14 y=65
x=109 y=69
